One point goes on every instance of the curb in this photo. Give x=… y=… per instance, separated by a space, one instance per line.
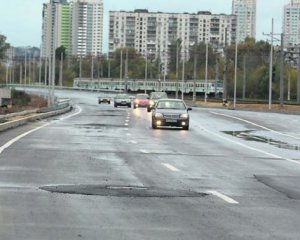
x=22 y=121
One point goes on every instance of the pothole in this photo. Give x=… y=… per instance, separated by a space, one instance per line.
x=122 y=191
x=99 y=126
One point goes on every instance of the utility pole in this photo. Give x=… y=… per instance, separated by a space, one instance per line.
x=235 y=72
x=61 y=69
x=206 y=73
x=195 y=72
x=177 y=66
x=271 y=67
x=126 y=71
x=146 y=72
x=245 y=77
x=92 y=68
x=282 y=71
x=183 y=69
x=298 y=81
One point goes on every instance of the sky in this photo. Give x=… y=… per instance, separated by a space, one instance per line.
x=21 y=20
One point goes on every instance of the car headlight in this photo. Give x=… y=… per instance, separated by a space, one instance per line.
x=185 y=115
x=158 y=115
x=151 y=103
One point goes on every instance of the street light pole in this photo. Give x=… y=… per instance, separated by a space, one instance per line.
x=182 y=83
x=177 y=66
x=195 y=72
x=282 y=71
x=146 y=72
x=235 y=73
x=271 y=67
x=206 y=72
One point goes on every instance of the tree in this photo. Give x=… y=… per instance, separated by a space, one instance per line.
x=3 y=46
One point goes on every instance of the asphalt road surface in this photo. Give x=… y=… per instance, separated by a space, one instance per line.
x=103 y=173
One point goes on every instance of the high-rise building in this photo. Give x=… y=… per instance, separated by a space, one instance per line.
x=153 y=32
x=77 y=25
x=56 y=26
x=87 y=27
x=245 y=10
x=291 y=23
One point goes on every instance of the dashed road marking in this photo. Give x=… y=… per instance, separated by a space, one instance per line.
x=144 y=151
x=223 y=197
x=12 y=141
x=169 y=166
x=133 y=142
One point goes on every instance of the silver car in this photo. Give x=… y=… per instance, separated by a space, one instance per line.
x=122 y=100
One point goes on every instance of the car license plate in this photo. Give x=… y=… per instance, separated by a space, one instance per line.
x=171 y=120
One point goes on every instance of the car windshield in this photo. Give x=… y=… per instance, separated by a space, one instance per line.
x=122 y=96
x=143 y=96
x=171 y=105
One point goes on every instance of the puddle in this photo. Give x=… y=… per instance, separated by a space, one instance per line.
x=246 y=135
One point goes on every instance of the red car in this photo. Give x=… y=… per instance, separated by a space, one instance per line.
x=141 y=100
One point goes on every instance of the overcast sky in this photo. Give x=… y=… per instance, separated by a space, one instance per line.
x=21 y=20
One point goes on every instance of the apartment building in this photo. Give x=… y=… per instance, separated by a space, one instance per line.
x=87 y=27
x=77 y=25
x=245 y=10
x=153 y=32
x=55 y=26
x=291 y=23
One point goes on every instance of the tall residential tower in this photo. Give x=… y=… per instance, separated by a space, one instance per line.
x=87 y=27
x=291 y=23
x=245 y=10
x=77 y=25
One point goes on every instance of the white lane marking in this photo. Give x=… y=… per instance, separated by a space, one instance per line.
x=257 y=125
x=252 y=148
x=126 y=124
x=223 y=197
x=128 y=134
x=72 y=115
x=133 y=142
x=12 y=141
x=127 y=120
x=9 y=143
x=144 y=151
x=169 y=166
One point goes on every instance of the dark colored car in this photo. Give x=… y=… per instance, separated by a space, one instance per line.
x=122 y=100
x=104 y=99
x=154 y=97
x=141 y=100
x=171 y=112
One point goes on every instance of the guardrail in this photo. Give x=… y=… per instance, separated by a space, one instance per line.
x=42 y=113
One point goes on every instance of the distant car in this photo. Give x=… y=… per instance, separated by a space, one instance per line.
x=171 y=112
x=141 y=100
x=104 y=99
x=154 y=97
x=122 y=100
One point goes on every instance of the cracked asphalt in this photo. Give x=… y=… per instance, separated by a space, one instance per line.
x=104 y=173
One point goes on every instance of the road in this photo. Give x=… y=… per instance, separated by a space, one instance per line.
x=103 y=173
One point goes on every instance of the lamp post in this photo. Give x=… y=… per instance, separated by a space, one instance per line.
x=206 y=72
x=146 y=71
x=183 y=69
x=271 y=67
x=235 y=73
x=177 y=66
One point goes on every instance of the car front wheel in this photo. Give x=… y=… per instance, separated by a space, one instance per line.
x=154 y=126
